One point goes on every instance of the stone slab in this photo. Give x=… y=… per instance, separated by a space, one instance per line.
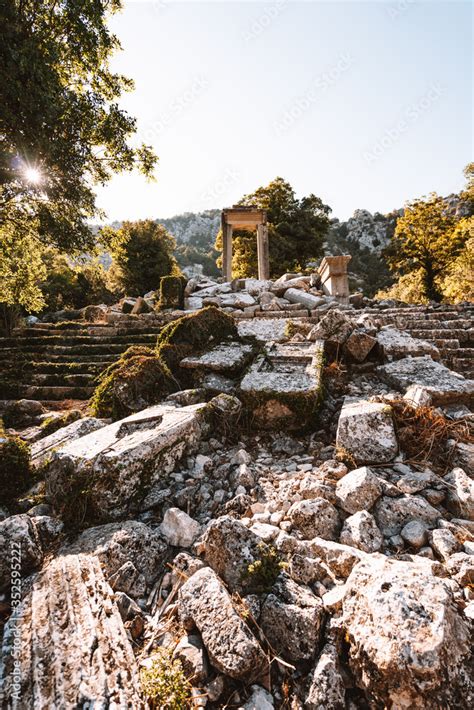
x=43 y=448
x=226 y=357
x=265 y=329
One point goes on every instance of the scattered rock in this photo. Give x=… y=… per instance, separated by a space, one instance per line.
x=360 y=530
x=315 y=518
x=326 y=686
x=366 y=432
x=358 y=490
x=178 y=528
x=392 y=514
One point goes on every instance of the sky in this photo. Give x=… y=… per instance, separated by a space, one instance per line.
x=365 y=104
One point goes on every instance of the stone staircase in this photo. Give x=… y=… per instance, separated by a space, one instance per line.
x=55 y=362
x=450 y=328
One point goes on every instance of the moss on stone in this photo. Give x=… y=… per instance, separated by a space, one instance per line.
x=171 y=292
x=164 y=683
x=15 y=469
x=52 y=424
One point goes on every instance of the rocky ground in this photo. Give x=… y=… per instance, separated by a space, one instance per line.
x=235 y=547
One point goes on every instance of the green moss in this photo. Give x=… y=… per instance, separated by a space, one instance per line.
x=52 y=424
x=133 y=383
x=260 y=575
x=15 y=469
x=164 y=684
x=171 y=292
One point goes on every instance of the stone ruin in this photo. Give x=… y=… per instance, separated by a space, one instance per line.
x=295 y=528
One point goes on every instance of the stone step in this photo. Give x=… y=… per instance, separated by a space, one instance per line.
x=61 y=379
x=440 y=334
x=446 y=344
x=54 y=393
x=69 y=350
x=52 y=340
x=430 y=325
x=93 y=330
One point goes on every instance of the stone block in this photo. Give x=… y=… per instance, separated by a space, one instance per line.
x=366 y=431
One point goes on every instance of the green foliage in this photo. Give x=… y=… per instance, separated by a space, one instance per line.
x=60 y=116
x=142 y=254
x=296 y=230
x=260 y=575
x=409 y=289
x=21 y=271
x=458 y=284
x=190 y=254
x=426 y=241
x=171 y=292
x=193 y=333
x=15 y=469
x=70 y=285
x=136 y=381
x=164 y=684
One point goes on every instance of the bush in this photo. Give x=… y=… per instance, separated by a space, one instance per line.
x=171 y=292
x=164 y=683
x=15 y=469
x=193 y=333
x=137 y=380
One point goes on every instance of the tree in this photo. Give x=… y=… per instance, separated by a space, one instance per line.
x=61 y=128
x=458 y=285
x=426 y=240
x=296 y=230
x=142 y=253
x=21 y=271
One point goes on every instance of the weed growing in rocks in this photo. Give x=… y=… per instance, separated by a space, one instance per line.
x=164 y=684
x=261 y=574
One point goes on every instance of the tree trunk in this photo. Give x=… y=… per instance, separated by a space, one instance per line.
x=431 y=289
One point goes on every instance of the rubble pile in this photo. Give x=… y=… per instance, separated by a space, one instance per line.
x=268 y=537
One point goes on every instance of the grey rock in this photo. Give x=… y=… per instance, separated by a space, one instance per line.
x=20 y=547
x=360 y=530
x=392 y=514
x=460 y=499
x=326 y=685
x=315 y=518
x=192 y=656
x=358 y=490
x=365 y=430
x=415 y=534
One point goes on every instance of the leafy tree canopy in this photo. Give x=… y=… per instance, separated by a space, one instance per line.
x=426 y=241
x=142 y=253
x=296 y=230
x=61 y=128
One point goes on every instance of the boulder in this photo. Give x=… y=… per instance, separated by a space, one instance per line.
x=365 y=430
x=229 y=548
x=231 y=646
x=104 y=475
x=326 y=685
x=358 y=490
x=360 y=530
x=178 y=528
x=292 y=620
x=315 y=518
x=340 y=559
x=75 y=650
x=460 y=499
x=409 y=646
x=223 y=358
x=21 y=550
x=392 y=514
x=116 y=544
x=444 y=385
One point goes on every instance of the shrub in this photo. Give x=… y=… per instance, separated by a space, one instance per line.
x=164 y=683
x=15 y=468
x=261 y=574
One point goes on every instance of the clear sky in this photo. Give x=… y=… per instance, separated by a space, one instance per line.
x=365 y=104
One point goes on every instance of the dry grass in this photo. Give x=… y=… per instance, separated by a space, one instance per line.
x=423 y=434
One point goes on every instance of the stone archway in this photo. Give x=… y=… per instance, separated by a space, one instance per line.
x=248 y=219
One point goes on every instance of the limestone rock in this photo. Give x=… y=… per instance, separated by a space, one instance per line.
x=398 y=344
x=315 y=518
x=192 y=656
x=231 y=646
x=307 y=300
x=223 y=358
x=392 y=514
x=444 y=543
x=359 y=344
x=339 y=558
x=229 y=548
x=409 y=646
x=20 y=543
x=121 y=461
x=326 y=688
x=292 y=620
x=118 y=543
x=129 y=580
x=43 y=448
x=365 y=430
x=358 y=490
x=415 y=534
x=460 y=494
x=178 y=528
x=444 y=385
x=75 y=649
x=259 y=700
x=360 y=530
x=334 y=328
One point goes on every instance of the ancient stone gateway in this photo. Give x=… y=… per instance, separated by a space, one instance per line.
x=249 y=219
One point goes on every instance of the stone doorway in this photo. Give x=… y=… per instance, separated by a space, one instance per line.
x=248 y=219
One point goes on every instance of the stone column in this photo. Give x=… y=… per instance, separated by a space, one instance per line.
x=263 y=252
x=334 y=279
x=227 y=251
